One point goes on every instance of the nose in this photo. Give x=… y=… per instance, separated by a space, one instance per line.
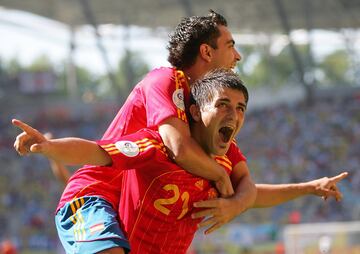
x=233 y=114
x=237 y=55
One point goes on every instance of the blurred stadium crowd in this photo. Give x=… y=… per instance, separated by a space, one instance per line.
x=283 y=143
x=299 y=142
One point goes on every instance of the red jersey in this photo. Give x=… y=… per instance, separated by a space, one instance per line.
x=163 y=93
x=160 y=95
x=157 y=195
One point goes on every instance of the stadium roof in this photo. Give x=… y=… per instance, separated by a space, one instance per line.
x=270 y=16
x=250 y=15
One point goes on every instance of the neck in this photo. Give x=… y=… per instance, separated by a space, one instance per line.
x=196 y=130
x=195 y=72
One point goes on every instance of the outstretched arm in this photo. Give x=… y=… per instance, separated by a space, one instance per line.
x=69 y=151
x=223 y=210
x=269 y=195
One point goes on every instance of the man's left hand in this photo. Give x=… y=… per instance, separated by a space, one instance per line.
x=217 y=211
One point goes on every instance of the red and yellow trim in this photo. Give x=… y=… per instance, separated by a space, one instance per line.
x=143 y=144
x=110 y=149
x=224 y=161
x=181 y=83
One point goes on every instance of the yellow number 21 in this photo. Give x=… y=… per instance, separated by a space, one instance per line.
x=160 y=203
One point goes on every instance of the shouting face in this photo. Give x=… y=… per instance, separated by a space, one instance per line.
x=220 y=120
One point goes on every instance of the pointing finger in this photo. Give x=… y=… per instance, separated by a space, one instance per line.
x=339 y=177
x=33 y=133
x=25 y=127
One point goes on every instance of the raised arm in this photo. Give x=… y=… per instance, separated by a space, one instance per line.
x=69 y=151
x=269 y=195
x=187 y=153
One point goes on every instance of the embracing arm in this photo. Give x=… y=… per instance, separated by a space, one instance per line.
x=245 y=190
x=187 y=153
x=223 y=210
x=269 y=195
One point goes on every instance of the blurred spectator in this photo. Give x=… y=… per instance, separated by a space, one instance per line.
x=7 y=247
x=295 y=217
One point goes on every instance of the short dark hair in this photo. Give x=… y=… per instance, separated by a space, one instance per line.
x=203 y=90
x=185 y=41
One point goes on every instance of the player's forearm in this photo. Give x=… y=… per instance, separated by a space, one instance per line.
x=76 y=151
x=245 y=193
x=187 y=153
x=193 y=159
x=269 y=195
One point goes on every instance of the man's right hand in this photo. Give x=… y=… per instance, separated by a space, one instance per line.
x=30 y=140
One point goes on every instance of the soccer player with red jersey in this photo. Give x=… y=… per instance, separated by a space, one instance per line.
x=197 y=45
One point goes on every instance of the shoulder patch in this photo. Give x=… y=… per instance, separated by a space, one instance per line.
x=178 y=98
x=128 y=148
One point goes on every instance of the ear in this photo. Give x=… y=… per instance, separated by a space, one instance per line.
x=205 y=52
x=195 y=112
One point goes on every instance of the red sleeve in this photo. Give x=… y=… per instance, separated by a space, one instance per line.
x=234 y=154
x=135 y=150
x=165 y=91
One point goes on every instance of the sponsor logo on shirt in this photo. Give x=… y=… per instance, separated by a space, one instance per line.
x=178 y=98
x=128 y=148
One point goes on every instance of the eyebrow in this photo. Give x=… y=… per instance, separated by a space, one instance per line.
x=227 y=100
x=231 y=42
x=243 y=105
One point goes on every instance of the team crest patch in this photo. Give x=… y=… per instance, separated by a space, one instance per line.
x=128 y=148
x=178 y=98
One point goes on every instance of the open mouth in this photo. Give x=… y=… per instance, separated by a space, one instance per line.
x=226 y=133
